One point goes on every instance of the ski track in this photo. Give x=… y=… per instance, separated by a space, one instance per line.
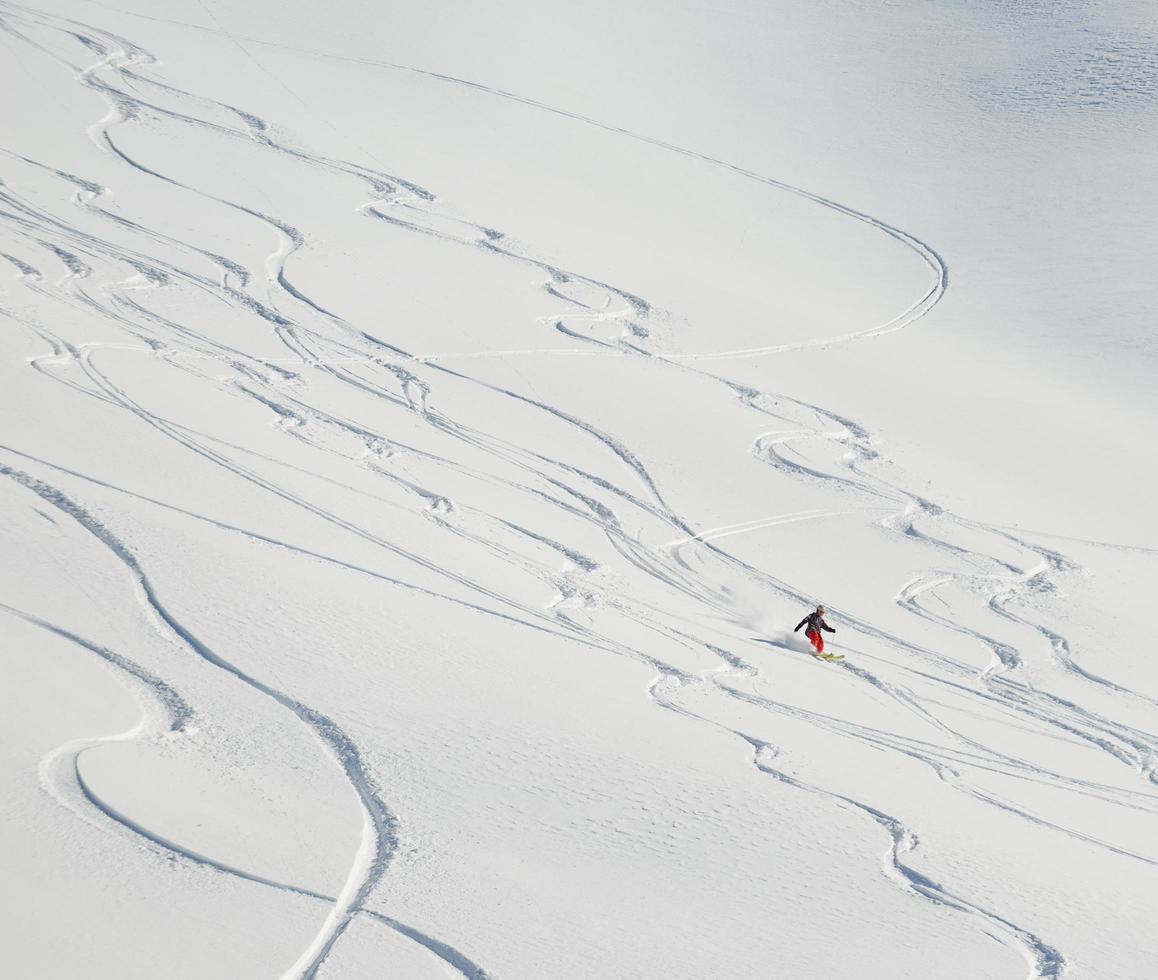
x=1045 y=962
x=165 y=711
x=319 y=339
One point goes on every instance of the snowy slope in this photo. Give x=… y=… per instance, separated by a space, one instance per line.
x=423 y=426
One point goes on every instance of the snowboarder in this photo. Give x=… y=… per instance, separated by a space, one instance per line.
x=816 y=623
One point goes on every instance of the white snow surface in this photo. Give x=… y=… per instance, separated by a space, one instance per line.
x=423 y=425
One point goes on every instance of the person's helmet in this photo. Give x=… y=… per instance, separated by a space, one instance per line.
x=820 y=609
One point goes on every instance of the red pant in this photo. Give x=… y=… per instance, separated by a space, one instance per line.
x=817 y=640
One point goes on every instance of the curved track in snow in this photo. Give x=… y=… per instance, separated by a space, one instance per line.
x=971 y=566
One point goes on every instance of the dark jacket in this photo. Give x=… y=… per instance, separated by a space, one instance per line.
x=815 y=623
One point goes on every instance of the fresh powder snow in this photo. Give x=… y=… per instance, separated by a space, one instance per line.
x=423 y=425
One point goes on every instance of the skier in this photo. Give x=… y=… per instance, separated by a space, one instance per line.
x=816 y=623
